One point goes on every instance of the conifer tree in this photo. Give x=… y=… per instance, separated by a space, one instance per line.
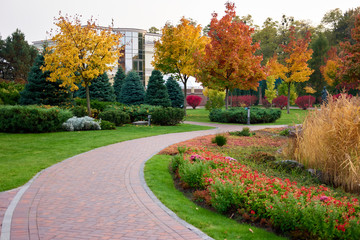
x=118 y=82
x=132 y=91
x=100 y=89
x=40 y=91
x=156 y=93
x=175 y=94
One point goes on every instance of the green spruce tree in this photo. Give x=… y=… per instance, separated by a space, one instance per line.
x=156 y=93
x=100 y=89
x=40 y=91
x=132 y=91
x=118 y=82
x=175 y=94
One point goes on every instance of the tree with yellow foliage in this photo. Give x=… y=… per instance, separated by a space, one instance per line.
x=295 y=67
x=174 y=52
x=80 y=53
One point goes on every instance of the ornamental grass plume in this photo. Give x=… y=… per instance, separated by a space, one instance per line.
x=330 y=142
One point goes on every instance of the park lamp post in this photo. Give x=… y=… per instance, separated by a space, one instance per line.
x=248 y=115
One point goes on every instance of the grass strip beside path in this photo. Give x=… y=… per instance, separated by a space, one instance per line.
x=213 y=224
x=24 y=155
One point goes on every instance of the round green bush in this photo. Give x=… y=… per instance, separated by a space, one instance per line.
x=220 y=140
x=115 y=116
x=167 y=116
x=106 y=125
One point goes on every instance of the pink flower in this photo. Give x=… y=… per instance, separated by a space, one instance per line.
x=324 y=198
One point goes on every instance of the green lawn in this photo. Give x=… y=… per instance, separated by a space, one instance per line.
x=24 y=155
x=215 y=225
x=296 y=116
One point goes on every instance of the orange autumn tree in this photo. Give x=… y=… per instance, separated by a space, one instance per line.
x=295 y=67
x=331 y=68
x=229 y=61
x=175 y=50
x=80 y=53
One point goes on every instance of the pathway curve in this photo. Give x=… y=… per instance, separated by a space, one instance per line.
x=100 y=194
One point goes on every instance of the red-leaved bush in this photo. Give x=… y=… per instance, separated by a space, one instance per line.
x=305 y=102
x=266 y=103
x=344 y=95
x=193 y=100
x=280 y=101
x=243 y=101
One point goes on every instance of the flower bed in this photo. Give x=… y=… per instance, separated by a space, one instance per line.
x=229 y=186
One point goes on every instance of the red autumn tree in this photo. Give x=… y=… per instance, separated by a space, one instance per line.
x=350 y=67
x=229 y=61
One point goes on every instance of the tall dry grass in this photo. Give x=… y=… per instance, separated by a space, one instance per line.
x=330 y=142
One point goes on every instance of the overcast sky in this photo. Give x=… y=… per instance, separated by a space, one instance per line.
x=35 y=17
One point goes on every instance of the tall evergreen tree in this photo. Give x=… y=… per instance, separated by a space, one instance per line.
x=40 y=91
x=118 y=82
x=16 y=56
x=100 y=89
x=132 y=91
x=156 y=93
x=175 y=94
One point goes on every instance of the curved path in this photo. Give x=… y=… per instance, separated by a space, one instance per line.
x=100 y=194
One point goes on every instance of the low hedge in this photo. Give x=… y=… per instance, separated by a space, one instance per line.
x=115 y=116
x=32 y=119
x=167 y=116
x=239 y=115
x=136 y=113
x=99 y=105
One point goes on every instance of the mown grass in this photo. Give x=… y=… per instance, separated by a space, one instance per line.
x=296 y=116
x=215 y=225
x=24 y=155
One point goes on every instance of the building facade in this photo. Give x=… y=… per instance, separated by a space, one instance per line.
x=137 y=53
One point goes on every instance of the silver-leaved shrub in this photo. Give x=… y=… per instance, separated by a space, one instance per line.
x=81 y=123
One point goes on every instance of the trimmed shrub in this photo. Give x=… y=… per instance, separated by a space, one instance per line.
x=280 y=102
x=79 y=111
x=167 y=116
x=239 y=115
x=96 y=104
x=137 y=113
x=106 y=125
x=244 y=101
x=193 y=100
x=115 y=116
x=32 y=119
x=80 y=124
x=305 y=102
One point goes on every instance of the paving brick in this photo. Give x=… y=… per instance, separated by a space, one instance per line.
x=100 y=194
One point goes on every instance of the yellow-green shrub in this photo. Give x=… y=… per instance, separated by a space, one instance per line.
x=330 y=142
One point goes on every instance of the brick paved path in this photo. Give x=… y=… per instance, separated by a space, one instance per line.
x=101 y=194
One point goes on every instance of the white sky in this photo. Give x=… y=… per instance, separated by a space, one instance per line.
x=35 y=17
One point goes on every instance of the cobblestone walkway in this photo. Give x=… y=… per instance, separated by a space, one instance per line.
x=99 y=194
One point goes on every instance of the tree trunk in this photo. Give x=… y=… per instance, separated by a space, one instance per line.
x=185 y=94
x=260 y=96
x=288 y=100
x=88 y=99
x=231 y=99
x=226 y=98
